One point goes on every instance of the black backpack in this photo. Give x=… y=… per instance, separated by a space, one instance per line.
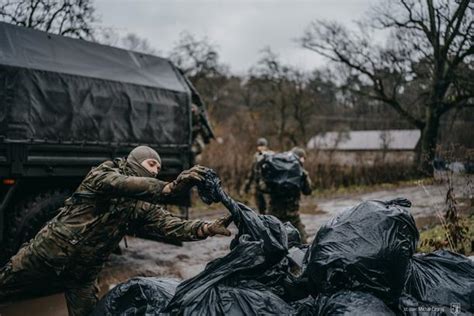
x=281 y=173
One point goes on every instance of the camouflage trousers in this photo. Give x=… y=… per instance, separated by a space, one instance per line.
x=289 y=212
x=260 y=201
x=42 y=266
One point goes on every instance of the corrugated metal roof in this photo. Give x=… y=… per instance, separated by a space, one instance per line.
x=366 y=140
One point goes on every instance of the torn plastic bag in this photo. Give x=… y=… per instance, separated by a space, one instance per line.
x=442 y=278
x=286 y=278
x=367 y=248
x=294 y=237
x=351 y=303
x=137 y=296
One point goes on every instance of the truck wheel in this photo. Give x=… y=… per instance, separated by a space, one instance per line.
x=28 y=216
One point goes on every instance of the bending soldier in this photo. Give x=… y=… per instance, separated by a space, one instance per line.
x=286 y=206
x=115 y=198
x=253 y=177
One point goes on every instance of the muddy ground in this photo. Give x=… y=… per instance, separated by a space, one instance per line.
x=148 y=258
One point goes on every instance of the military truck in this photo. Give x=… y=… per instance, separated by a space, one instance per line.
x=67 y=105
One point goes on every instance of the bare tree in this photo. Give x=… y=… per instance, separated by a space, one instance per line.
x=200 y=61
x=131 y=41
x=64 y=17
x=197 y=57
x=136 y=43
x=430 y=48
x=283 y=92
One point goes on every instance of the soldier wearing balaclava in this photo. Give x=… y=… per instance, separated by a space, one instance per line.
x=116 y=198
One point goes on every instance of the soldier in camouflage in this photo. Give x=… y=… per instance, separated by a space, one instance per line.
x=253 y=177
x=116 y=198
x=286 y=206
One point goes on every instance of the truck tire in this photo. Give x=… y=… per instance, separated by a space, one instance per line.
x=28 y=216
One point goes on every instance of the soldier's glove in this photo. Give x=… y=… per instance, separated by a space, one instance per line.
x=186 y=180
x=217 y=227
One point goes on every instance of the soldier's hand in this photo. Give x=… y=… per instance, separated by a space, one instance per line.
x=195 y=174
x=186 y=180
x=218 y=227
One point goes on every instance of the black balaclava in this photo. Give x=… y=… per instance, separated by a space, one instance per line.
x=137 y=156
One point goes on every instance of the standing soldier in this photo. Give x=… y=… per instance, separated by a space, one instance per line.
x=286 y=206
x=115 y=198
x=253 y=177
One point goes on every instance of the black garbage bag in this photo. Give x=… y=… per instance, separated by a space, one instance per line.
x=261 y=243
x=366 y=248
x=305 y=307
x=281 y=172
x=286 y=278
x=351 y=303
x=294 y=237
x=442 y=278
x=137 y=296
x=225 y=285
x=267 y=228
x=245 y=297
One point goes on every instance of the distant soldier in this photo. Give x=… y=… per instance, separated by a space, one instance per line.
x=253 y=177
x=286 y=206
x=116 y=198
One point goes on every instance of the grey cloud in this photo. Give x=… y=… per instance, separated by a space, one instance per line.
x=239 y=28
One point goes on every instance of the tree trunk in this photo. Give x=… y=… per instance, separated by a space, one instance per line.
x=428 y=142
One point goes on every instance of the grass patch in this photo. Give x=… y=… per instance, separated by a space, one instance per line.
x=438 y=235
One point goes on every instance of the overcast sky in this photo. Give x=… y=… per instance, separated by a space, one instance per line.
x=239 y=28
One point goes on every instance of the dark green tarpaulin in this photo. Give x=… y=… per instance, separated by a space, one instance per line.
x=59 y=88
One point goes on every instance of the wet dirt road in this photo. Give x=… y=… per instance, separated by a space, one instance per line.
x=148 y=258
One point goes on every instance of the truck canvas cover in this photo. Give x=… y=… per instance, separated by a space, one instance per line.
x=54 y=88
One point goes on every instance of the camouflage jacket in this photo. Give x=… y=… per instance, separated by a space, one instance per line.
x=253 y=177
x=106 y=206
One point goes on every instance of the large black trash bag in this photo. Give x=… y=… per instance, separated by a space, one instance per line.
x=261 y=242
x=305 y=307
x=235 y=298
x=286 y=278
x=442 y=278
x=282 y=172
x=137 y=296
x=366 y=248
x=351 y=304
x=267 y=228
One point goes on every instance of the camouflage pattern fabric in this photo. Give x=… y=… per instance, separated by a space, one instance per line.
x=70 y=250
x=254 y=179
x=286 y=207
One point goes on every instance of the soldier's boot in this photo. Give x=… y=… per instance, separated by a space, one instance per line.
x=261 y=202
x=81 y=298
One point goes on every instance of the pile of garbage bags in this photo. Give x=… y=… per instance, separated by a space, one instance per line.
x=362 y=262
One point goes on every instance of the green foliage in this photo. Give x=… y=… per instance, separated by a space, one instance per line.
x=436 y=237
